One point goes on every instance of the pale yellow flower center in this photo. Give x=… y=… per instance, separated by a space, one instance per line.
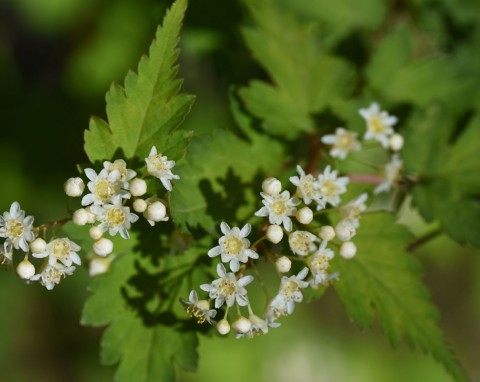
x=279 y=207
x=289 y=288
x=60 y=249
x=345 y=141
x=121 y=167
x=104 y=190
x=233 y=245
x=115 y=216
x=14 y=228
x=376 y=125
x=227 y=287
x=300 y=242
x=320 y=263
x=158 y=162
x=329 y=188
x=307 y=187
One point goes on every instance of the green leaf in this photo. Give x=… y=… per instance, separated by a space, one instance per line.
x=384 y=280
x=148 y=110
x=305 y=79
x=449 y=186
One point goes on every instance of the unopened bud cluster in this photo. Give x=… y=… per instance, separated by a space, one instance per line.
x=107 y=203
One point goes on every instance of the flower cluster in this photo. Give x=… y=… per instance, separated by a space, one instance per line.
x=380 y=128
x=107 y=206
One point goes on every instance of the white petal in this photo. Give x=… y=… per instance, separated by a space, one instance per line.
x=221 y=271
x=245 y=280
x=91 y=174
x=88 y=199
x=234 y=265
x=75 y=258
x=215 y=251
x=15 y=210
x=224 y=228
x=245 y=230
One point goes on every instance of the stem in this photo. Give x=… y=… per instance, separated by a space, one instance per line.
x=365 y=179
x=258 y=242
x=423 y=239
x=45 y=226
x=262 y=284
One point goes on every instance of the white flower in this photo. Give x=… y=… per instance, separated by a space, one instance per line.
x=234 y=247
x=391 y=175
x=227 y=289
x=274 y=233
x=199 y=309
x=155 y=211
x=115 y=217
x=319 y=263
x=98 y=266
x=25 y=269
x=379 y=124
x=348 y=250
x=331 y=187
x=302 y=242
x=258 y=326
x=103 y=187
x=63 y=250
x=74 y=187
x=52 y=275
x=345 y=230
x=290 y=292
x=278 y=208
x=352 y=210
x=5 y=257
x=283 y=264
x=307 y=188
x=16 y=229
x=271 y=186
x=343 y=142
x=160 y=167
x=124 y=174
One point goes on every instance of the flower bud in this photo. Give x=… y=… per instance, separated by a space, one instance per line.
x=271 y=186
x=74 y=187
x=103 y=247
x=348 y=250
x=242 y=324
x=395 y=142
x=138 y=187
x=274 y=233
x=155 y=212
x=95 y=232
x=139 y=205
x=283 y=264
x=345 y=230
x=25 y=269
x=98 y=265
x=91 y=216
x=223 y=327
x=38 y=245
x=304 y=215
x=80 y=217
x=327 y=233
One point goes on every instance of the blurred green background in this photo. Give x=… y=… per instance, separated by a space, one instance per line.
x=58 y=58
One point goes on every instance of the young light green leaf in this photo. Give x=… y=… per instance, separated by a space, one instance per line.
x=383 y=279
x=149 y=108
x=448 y=186
x=305 y=79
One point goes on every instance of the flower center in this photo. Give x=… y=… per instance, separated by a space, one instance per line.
x=308 y=188
x=300 y=242
x=158 y=162
x=345 y=142
x=289 y=288
x=227 y=287
x=115 y=216
x=320 y=263
x=233 y=245
x=104 y=189
x=376 y=124
x=60 y=249
x=329 y=188
x=121 y=167
x=279 y=207
x=14 y=228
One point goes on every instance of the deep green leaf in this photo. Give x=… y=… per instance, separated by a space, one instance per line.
x=384 y=280
x=305 y=79
x=149 y=108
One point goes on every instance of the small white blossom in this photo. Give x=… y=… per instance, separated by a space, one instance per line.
x=345 y=230
x=242 y=325
x=80 y=217
x=274 y=233
x=348 y=250
x=95 y=232
x=379 y=124
x=278 y=208
x=227 y=289
x=124 y=174
x=25 y=269
x=16 y=229
x=98 y=266
x=51 y=275
x=395 y=143
x=327 y=233
x=115 y=218
x=200 y=310
x=304 y=215
x=307 y=188
x=63 y=250
x=319 y=263
x=352 y=210
x=38 y=245
x=155 y=211
x=139 y=205
x=103 y=247
x=271 y=186
x=258 y=326
x=160 y=167
x=103 y=187
x=331 y=187
x=234 y=246
x=302 y=242
x=283 y=264
x=223 y=327
x=138 y=187
x=290 y=292
x=343 y=142
x=74 y=187
x=392 y=173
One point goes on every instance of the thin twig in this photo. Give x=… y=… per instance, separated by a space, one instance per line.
x=423 y=239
